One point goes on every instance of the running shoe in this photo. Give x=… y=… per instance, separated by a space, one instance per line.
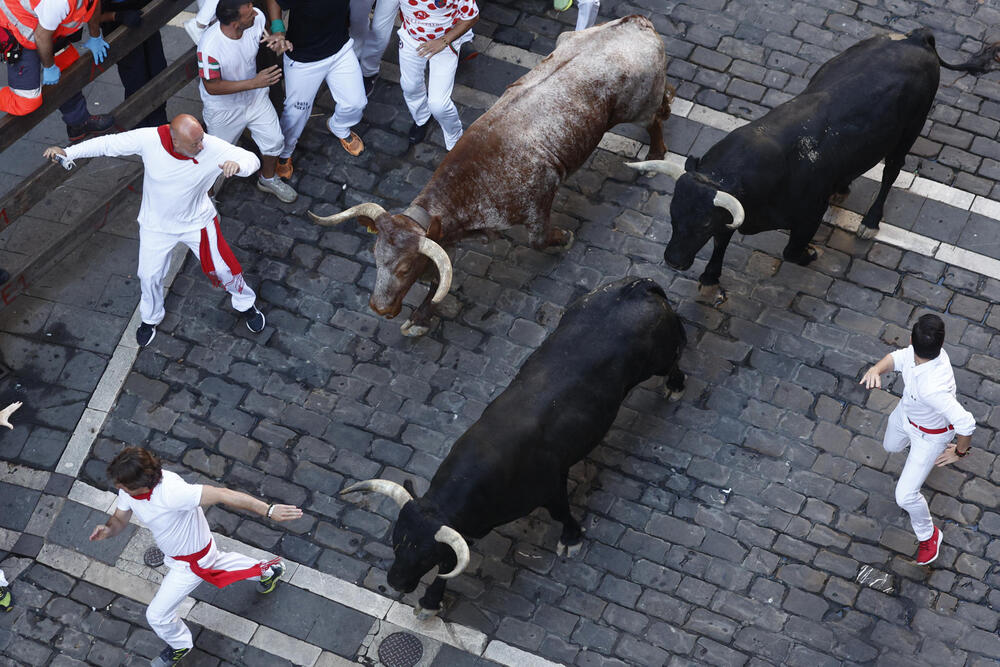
x=268 y=584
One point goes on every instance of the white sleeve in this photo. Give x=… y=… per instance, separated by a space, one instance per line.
x=206 y=14
x=112 y=145
x=946 y=404
x=902 y=358
x=249 y=163
x=51 y=13
x=181 y=495
x=124 y=503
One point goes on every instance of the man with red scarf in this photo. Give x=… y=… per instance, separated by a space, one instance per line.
x=172 y=510
x=181 y=164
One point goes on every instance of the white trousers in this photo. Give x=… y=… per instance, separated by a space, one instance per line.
x=586 y=15
x=924 y=450
x=342 y=74
x=154 y=261
x=433 y=97
x=179 y=582
x=3 y=579
x=206 y=11
x=260 y=117
x=372 y=38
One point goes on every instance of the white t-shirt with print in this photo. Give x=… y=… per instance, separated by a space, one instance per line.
x=173 y=514
x=220 y=57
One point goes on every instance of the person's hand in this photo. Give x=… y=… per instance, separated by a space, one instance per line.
x=285 y=513
x=871 y=379
x=50 y=75
x=101 y=532
x=267 y=77
x=276 y=42
x=129 y=17
x=98 y=47
x=52 y=151
x=229 y=168
x=948 y=456
x=6 y=413
x=432 y=48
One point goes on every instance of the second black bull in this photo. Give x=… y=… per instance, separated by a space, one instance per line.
x=517 y=456
x=778 y=172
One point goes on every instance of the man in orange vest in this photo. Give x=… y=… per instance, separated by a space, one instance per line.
x=40 y=31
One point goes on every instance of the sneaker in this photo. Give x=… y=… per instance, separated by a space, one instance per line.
x=194 y=30
x=145 y=334
x=418 y=132
x=278 y=188
x=169 y=656
x=93 y=126
x=268 y=584
x=929 y=548
x=561 y=5
x=6 y=599
x=370 y=84
x=284 y=168
x=256 y=321
x=353 y=144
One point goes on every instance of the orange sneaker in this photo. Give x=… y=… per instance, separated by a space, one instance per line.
x=353 y=144
x=284 y=168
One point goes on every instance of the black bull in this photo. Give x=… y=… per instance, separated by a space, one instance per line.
x=865 y=105
x=517 y=456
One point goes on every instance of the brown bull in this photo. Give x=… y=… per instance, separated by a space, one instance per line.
x=506 y=168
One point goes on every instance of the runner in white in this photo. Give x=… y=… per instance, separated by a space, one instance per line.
x=234 y=93
x=172 y=511
x=319 y=49
x=205 y=17
x=433 y=32
x=371 y=33
x=6 y=599
x=181 y=163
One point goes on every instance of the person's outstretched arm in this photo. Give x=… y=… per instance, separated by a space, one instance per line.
x=212 y=495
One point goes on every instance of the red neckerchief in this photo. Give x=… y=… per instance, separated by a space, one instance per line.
x=148 y=494
x=168 y=143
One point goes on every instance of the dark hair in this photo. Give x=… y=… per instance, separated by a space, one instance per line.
x=228 y=11
x=135 y=467
x=928 y=336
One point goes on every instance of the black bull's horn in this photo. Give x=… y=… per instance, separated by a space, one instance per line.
x=444 y=534
x=425 y=246
x=675 y=171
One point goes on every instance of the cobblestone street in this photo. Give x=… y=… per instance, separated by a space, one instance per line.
x=727 y=528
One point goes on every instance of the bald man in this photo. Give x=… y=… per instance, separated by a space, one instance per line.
x=181 y=164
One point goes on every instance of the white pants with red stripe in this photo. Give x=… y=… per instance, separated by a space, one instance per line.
x=259 y=116
x=371 y=39
x=342 y=74
x=432 y=98
x=179 y=582
x=154 y=261
x=924 y=450
x=586 y=15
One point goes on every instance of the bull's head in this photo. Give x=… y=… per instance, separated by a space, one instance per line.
x=401 y=253
x=420 y=540
x=698 y=211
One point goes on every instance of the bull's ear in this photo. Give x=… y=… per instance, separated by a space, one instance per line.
x=368 y=223
x=408 y=485
x=691 y=164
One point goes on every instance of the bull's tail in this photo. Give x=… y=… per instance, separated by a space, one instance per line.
x=986 y=60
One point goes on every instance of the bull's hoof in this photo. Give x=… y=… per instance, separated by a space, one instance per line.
x=713 y=294
x=811 y=254
x=425 y=614
x=567 y=243
x=673 y=395
x=412 y=330
x=866 y=232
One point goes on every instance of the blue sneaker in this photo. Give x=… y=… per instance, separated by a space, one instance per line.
x=268 y=584
x=169 y=657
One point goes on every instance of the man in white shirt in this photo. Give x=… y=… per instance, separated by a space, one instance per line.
x=924 y=420
x=235 y=93
x=172 y=511
x=181 y=163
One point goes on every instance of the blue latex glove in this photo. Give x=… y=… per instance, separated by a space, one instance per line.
x=98 y=47
x=50 y=75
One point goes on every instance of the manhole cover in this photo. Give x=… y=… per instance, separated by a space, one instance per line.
x=400 y=649
x=153 y=557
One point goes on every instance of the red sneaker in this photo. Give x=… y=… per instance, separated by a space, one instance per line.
x=928 y=549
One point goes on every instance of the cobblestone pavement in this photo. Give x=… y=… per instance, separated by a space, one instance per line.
x=724 y=529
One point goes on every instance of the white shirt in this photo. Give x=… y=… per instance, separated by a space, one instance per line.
x=51 y=13
x=929 y=393
x=220 y=57
x=424 y=20
x=173 y=514
x=174 y=190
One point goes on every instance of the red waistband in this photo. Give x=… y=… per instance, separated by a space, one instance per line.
x=196 y=556
x=220 y=578
x=932 y=431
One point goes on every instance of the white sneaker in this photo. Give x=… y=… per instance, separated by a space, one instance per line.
x=194 y=30
x=278 y=188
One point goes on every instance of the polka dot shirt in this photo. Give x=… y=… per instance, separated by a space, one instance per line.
x=425 y=20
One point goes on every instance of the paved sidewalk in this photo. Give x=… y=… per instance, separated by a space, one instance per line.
x=726 y=529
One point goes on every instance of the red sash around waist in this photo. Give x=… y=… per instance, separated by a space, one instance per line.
x=932 y=431
x=220 y=578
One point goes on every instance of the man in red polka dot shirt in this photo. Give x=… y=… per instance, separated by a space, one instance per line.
x=432 y=34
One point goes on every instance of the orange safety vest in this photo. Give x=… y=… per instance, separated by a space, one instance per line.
x=19 y=18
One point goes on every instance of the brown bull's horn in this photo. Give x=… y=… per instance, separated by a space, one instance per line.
x=451 y=537
x=383 y=486
x=731 y=204
x=671 y=169
x=369 y=210
x=440 y=258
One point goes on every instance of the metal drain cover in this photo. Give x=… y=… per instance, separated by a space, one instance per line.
x=400 y=649
x=153 y=557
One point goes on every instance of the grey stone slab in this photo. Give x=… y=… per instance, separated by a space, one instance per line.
x=72 y=528
x=19 y=503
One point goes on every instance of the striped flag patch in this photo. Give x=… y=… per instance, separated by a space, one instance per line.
x=209 y=67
